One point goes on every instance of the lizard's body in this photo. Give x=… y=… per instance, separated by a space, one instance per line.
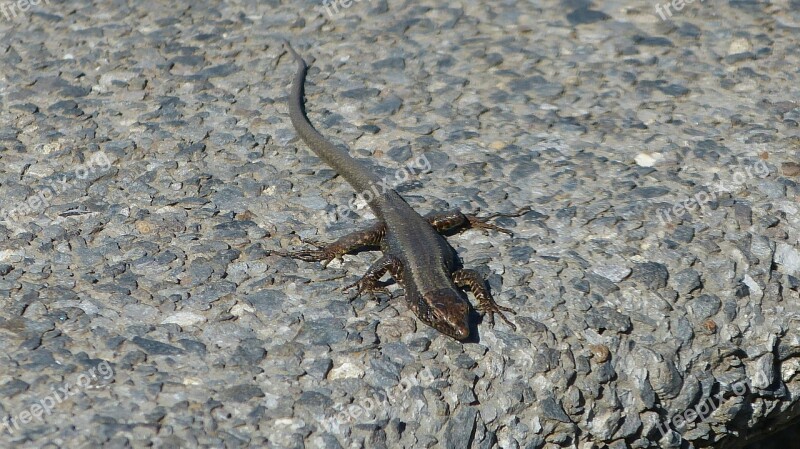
x=415 y=254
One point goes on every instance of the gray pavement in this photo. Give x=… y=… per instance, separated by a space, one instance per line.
x=148 y=168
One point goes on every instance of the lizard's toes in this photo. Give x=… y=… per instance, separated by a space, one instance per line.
x=503 y=317
x=313 y=243
x=507 y=309
x=358 y=283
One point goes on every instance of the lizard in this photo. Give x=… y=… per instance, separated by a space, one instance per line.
x=415 y=254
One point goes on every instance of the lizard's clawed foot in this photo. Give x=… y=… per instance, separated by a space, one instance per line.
x=486 y=304
x=322 y=254
x=366 y=284
x=492 y=309
x=315 y=243
x=371 y=281
x=480 y=223
x=315 y=255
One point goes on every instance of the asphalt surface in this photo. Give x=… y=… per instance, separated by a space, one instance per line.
x=149 y=171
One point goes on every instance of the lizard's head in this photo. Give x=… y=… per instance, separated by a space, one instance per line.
x=447 y=312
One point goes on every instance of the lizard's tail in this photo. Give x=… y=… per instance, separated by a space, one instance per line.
x=350 y=169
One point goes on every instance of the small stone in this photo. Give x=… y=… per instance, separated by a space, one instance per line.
x=388 y=106
x=651 y=275
x=218 y=71
x=394 y=63
x=605 y=423
x=743 y=214
x=600 y=284
x=313 y=400
x=764 y=374
x=653 y=41
x=11 y=255
x=705 y=306
x=753 y=287
x=599 y=318
x=239 y=310
x=674 y=90
x=66 y=107
x=184 y=319
x=13 y=388
x=400 y=154
x=240 y=393
x=788 y=257
x=361 y=94
x=739 y=45
x=686 y=281
x=601 y=353
x=346 y=370
x=249 y=353
x=647 y=159
x=323 y=331
x=552 y=410
x=320 y=368
x=710 y=326
x=193 y=346
x=585 y=15
x=683 y=233
x=614 y=273
x=790 y=168
x=462 y=423
x=154 y=347
x=794 y=283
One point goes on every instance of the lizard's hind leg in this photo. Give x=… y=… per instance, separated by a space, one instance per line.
x=371 y=236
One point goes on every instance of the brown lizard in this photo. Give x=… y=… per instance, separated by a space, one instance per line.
x=414 y=252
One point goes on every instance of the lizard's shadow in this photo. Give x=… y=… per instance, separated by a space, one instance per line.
x=474 y=319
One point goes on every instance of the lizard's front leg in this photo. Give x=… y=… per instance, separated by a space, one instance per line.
x=472 y=280
x=445 y=221
x=370 y=282
x=371 y=236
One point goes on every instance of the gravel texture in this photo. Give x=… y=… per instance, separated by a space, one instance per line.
x=149 y=169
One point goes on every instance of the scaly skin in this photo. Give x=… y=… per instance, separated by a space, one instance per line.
x=414 y=252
